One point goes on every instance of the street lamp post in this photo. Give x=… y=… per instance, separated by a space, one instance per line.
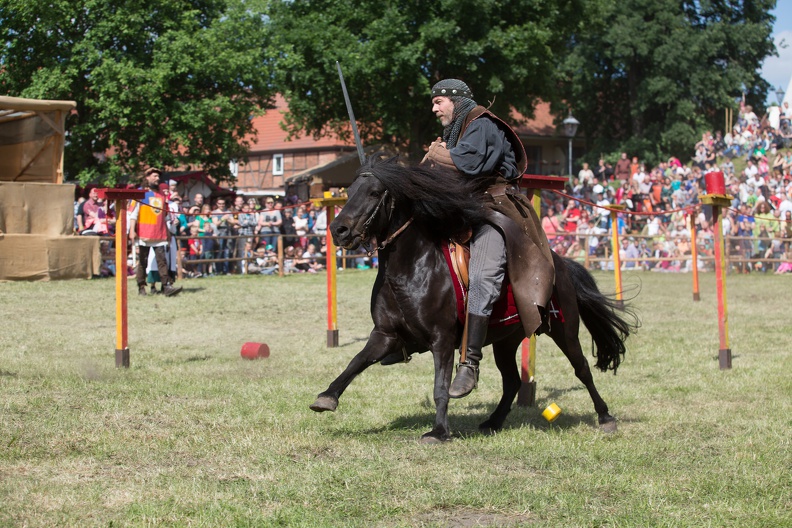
x=780 y=95
x=570 y=129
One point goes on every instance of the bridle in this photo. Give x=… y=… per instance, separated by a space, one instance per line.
x=364 y=236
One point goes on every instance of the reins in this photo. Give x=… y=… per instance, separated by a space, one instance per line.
x=367 y=223
x=392 y=236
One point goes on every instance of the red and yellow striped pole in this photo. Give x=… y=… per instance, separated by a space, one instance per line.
x=694 y=257
x=614 y=212
x=526 y=397
x=717 y=201
x=122 y=333
x=330 y=203
x=121 y=196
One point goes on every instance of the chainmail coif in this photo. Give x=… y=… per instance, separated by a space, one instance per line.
x=459 y=93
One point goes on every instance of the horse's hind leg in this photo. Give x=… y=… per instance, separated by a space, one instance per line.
x=504 y=352
x=378 y=346
x=565 y=336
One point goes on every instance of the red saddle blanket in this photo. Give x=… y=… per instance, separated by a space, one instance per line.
x=505 y=310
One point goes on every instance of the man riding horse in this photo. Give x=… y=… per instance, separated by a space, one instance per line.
x=478 y=144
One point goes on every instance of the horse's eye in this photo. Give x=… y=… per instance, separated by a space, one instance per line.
x=375 y=194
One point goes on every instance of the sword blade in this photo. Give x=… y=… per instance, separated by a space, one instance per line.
x=351 y=116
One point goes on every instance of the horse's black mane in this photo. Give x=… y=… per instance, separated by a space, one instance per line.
x=441 y=199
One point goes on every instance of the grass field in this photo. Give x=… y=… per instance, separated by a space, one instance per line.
x=193 y=435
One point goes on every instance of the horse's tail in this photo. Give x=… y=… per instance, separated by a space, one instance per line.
x=608 y=323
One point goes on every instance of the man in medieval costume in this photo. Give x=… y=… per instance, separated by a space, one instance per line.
x=477 y=144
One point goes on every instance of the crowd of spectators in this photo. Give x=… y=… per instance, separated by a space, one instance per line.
x=253 y=228
x=232 y=234
x=662 y=203
x=240 y=234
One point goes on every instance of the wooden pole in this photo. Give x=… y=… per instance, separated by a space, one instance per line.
x=280 y=255
x=121 y=196
x=615 y=248
x=534 y=183
x=724 y=352
x=332 y=302
x=122 y=332
x=179 y=260
x=694 y=257
x=526 y=397
x=330 y=202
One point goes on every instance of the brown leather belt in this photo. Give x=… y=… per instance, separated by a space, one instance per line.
x=502 y=189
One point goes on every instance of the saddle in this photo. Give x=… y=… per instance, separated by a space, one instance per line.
x=458 y=259
x=504 y=312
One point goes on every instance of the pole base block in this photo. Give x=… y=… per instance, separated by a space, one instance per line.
x=122 y=357
x=332 y=338
x=725 y=358
x=696 y=296
x=526 y=397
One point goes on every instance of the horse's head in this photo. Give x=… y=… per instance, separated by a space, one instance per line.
x=365 y=214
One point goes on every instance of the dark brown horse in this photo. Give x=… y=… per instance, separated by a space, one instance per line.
x=408 y=211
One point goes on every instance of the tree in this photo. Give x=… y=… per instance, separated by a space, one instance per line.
x=392 y=53
x=648 y=76
x=164 y=83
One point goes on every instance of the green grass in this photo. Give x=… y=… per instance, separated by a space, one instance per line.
x=193 y=435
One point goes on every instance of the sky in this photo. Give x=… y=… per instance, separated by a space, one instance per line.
x=778 y=70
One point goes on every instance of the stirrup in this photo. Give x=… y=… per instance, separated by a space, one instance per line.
x=465 y=381
x=472 y=366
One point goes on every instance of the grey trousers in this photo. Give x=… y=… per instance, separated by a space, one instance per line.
x=487 y=270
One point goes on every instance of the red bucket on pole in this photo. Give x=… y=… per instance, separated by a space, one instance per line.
x=715 y=182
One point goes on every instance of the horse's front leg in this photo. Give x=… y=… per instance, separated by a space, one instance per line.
x=443 y=354
x=378 y=346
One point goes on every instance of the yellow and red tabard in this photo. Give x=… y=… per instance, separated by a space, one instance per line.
x=152 y=214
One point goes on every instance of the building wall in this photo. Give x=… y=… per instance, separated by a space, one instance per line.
x=258 y=172
x=549 y=156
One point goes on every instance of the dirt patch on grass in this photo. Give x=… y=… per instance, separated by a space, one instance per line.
x=469 y=518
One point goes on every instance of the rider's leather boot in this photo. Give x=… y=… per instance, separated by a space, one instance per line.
x=467 y=372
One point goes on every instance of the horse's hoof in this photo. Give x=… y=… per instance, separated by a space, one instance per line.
x=431 y=438
x=487 y=428
x=324 y=403
x=608 y=425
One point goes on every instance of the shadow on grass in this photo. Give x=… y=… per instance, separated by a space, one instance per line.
x=464 y=422
x=353 y=341
x=192 y=290
x=467 y=425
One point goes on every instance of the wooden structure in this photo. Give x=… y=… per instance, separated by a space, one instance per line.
x=32 y=136
x=37 y=239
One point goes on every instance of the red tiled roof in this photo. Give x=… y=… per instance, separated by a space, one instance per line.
x=271 y=137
